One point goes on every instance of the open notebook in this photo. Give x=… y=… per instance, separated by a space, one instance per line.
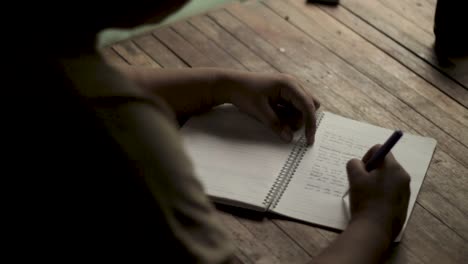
x=243 y=163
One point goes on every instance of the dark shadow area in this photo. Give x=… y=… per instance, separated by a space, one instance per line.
x=280 y=217
x=241 y=212
x=260 y=216
x=324 y=2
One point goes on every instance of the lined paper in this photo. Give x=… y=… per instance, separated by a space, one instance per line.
x=315 y=191
x=235 y=157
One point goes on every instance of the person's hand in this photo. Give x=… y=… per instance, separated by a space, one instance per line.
x=276 y=100
x=381 y=195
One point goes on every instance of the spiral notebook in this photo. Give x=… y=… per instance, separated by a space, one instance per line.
x=241 y=162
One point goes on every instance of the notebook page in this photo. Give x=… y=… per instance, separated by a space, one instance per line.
x=315 y=191
x=236 y=158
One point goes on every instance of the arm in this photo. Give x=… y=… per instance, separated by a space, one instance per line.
x=379 y=203
x=277 y=100
x=363 y=241
x=187 y=91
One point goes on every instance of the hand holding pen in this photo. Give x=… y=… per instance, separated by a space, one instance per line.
x=379 y=187
x=378 y=156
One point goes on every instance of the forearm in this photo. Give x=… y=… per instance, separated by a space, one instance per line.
x=187 y=91
x=364 y=241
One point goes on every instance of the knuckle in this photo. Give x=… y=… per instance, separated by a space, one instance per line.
x=287 y=76
x=351 y=164
x=403 y=177
x=317 y=103
x=273 y=123
x=406 y=178
x=376 y=147
x=287 y=80
x=310 y=104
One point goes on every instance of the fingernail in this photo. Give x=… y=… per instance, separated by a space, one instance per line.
x=286 y=134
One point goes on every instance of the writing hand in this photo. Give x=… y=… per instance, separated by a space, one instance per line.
x=382 y=194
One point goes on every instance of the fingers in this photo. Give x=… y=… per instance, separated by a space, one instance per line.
x=391 y=164
x=370 y=153
x=295 y=121
x=356 y=171
x=387 y=162
x=295 y=95
x=317 y=104
x=288 y=114
x=267 y=115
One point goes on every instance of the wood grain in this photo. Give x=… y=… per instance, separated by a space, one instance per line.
x=400 y=53
x=155 y=49
x=133 y=54
x=236 y=49
x=111 y=57
x=375 y=64
x=405 y=33
x=182 y=48
x=419 y=12
x=208 y=48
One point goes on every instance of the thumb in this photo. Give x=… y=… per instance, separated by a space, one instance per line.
x=356 y=171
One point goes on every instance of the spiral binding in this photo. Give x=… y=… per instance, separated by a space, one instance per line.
x=319 y=116
x=288 y=170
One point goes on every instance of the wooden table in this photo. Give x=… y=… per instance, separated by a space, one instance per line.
x=369 y=60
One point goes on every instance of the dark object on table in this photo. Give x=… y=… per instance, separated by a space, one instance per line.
x=450 y=29
x=325 y=2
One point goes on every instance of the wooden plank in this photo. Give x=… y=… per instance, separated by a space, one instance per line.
x=433 y=241
x=111 y=57
x=236 y=49
x=307 y=236
x=184 y=50
x=431 y=2
x=266 y=51
x=279 y=243
x=448 y=180
x=273 y=238
x=208 y=48
x=155 y=49
x=134 y=55
x=391 y=23
x=400 y=53
x=381 y=68
x=428 y=197
x=404 y=32
x=419 y=12
x=252 y=249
